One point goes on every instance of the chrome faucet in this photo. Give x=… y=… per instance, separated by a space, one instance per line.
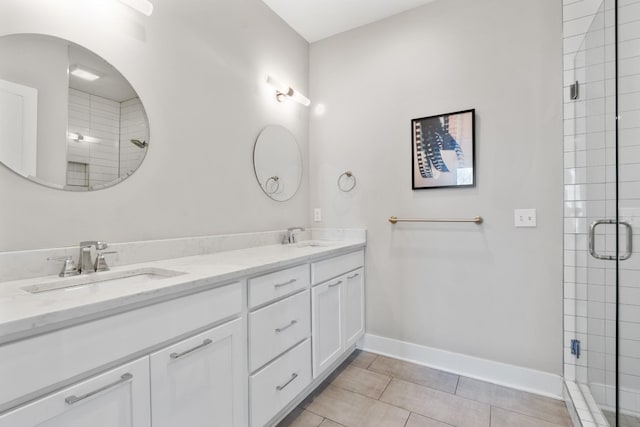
x=86 y=264
x=290 y=237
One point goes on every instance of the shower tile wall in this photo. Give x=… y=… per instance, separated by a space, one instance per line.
x=589 y=162
x=99 y=118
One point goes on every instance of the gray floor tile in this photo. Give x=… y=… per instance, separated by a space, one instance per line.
x=362 y=381
x=354 y=410
x=551 y=410
x=417 y=374
x=416 y=420
x=329 y=423
x=301 y=418
x=361 y=359
x=441 y=406
x=503 y=418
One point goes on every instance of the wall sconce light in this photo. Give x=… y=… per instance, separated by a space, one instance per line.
x=143 y=6
x=284 y=92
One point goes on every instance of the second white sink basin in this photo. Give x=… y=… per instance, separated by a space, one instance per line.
x=315 y=243
x=127 y=277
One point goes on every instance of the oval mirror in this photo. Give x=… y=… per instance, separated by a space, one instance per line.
x=277 y=163
x=68 y=119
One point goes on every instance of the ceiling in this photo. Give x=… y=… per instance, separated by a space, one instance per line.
x=318 y=19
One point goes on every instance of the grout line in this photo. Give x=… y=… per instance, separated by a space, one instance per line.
x=455 y=390
x=385 y=387
x=407 y=420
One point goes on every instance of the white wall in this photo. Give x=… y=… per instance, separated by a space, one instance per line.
x=491 y=291
x=199 y=69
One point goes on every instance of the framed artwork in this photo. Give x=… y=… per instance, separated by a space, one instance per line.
x=443 y=150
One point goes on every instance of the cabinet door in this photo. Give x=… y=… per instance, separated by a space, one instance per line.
x=119 y=397
x=353 y=307
x=199 y=381
x=326 y=324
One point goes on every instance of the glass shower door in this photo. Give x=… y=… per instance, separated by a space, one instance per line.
x=605 y=198
x=627 y=300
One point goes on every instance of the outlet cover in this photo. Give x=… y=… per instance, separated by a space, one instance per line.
x=317 y=214
x=525 y=217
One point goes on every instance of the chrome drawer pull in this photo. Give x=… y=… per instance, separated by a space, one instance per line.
x=284 y=328
x=333 y=285
x=75 y=399
x=279 y=285
x=184 y=353
x=354 y=276
x=281 y=387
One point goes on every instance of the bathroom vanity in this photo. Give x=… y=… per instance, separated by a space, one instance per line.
x=232 y=338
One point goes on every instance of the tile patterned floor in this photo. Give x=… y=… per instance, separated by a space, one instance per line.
x=376 y=391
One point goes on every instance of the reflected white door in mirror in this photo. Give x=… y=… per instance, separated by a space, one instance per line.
x=68 y=119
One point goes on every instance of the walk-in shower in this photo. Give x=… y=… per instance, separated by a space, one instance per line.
x=602 y=210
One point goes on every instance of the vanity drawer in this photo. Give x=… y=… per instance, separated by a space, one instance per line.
x=272 y=286
x=334 y=267
x=37 y=365
x=119 y=397
x=276 y=385
x=278 y=327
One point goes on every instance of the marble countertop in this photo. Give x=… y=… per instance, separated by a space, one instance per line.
x=23 y=314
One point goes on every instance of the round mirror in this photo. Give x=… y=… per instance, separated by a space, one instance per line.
x=68 y=119
x=278 y=163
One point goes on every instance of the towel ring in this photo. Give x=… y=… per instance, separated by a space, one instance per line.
x=350 y=183
x=275 y=185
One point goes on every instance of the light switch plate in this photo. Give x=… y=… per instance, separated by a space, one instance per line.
x=317 y=214
x=525 y=217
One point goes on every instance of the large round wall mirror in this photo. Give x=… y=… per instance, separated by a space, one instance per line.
x=68 y=119
x=277 y=163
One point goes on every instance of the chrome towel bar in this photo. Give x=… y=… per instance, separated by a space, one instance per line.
x=477 y=220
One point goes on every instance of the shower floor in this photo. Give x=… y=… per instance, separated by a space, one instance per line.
x=625 y=420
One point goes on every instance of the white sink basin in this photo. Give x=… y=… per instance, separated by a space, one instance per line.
x=312 y=243
x=127 y=277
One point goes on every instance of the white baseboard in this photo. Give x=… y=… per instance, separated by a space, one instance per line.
x=525 y=379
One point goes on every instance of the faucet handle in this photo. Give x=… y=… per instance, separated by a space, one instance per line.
x=101 y=262
x=68 y=268
x=97 y=243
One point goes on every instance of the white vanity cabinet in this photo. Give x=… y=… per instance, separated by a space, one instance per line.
x=327 y=324
x=232 y=354
x=198 y=382
x=119 y=397
x=279 y=345
x=337 y=308
x=353 y=307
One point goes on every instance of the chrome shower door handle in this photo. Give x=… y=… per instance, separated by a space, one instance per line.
x=629 y=248
x=592 y=240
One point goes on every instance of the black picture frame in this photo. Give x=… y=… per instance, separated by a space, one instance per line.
x=443 y=151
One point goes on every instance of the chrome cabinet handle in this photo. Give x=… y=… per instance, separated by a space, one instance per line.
x=279 y=285
x=284 y=328
x=333 y=285
x=281 y=387
x=354 y=276
x=592 y=240
x=184 y=353
x=75 y=399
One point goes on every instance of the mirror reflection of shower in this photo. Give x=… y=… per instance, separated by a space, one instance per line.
x=71 y=120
